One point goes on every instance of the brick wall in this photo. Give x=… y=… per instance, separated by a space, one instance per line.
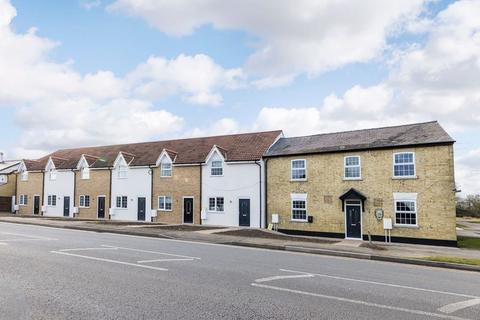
x=434 y=186
x=97 y=185
x=31 y=187
x=184 y=182
x=8 y=189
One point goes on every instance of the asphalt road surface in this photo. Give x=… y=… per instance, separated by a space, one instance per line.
x=48 y=273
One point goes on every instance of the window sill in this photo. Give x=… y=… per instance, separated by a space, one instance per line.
x=406 y=226
x=405 y=178
x=298 y=180
x=165 y=176
x=352 y=179
x=216 y=175
x=120 y=208
x=216 y=212
x=165 y=210
x=298 y=221
x=84 y=207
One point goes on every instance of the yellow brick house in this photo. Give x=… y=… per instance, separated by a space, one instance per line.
x=346 y=184
x=29 y=189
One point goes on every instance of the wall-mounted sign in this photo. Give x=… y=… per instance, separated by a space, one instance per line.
x=379 y=214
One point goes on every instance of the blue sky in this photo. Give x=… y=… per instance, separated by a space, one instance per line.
x=249 y=70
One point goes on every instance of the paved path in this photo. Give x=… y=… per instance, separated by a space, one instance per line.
x=50 y=273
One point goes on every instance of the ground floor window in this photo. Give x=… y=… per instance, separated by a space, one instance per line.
x=52 y=200
x=299 y=208
x=406 y=212
x=23 y=199
x=122 y=202
x=165 y=203
x=216 y=204
x=84 y=201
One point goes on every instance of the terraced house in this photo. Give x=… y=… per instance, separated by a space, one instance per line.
x=345 y=184
x=8 y=184
x=212 y=180
x=29 y=194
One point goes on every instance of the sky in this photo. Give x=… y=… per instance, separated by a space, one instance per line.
x=94 y=72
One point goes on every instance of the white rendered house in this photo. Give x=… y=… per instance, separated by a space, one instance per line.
x=59 y=189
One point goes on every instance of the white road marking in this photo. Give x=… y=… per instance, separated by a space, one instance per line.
x=154 y=252
x=284 y=277
x=383 y=284
x=164 y=260
x=86 y=249
x=109 y=260
x=24 y=237
x=450 y=308
x=360 y=302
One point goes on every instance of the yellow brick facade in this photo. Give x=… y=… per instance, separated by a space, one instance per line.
x=33 y=186
x=184 y=182
x=434 y=186
x=97 y=185
x=8 y=189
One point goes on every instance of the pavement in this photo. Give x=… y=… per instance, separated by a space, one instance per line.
x=395 y=252
x=469 y=227
x=59 y=273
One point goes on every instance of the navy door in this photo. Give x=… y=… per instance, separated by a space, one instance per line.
x=244 y=213
x=141 y=209
x=66 y=206
x=354 y=222
x=187 y=210
x=101 y=208
x=36 y=204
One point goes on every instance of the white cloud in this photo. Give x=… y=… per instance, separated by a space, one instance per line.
x=293 y=37
x=196 y=77
x=86 y=4
x=467 y=172
x=56 y=106
x=219 y=127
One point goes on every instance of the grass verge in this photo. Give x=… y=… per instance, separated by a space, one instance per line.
x=458 y=260
x=469 y=243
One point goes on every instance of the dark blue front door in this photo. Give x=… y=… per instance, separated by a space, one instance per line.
x=354 y=221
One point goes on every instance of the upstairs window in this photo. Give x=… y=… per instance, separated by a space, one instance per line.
x=217 y=168
x=165 y=203
x=122 y=202
x=406 y=212
x=122 y=172
x=84 y=201
x=166 y=169
x=216 y=204
x=299 y=169
x=85 y=173
x=52 y=200
x=53 y=174
x=404 y=165
x=23 y=199
x=352 y=169
x=24 y=176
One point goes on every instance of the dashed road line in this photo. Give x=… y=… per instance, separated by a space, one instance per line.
x=453 y=307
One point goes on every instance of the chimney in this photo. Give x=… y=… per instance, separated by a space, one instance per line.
x=1 y=157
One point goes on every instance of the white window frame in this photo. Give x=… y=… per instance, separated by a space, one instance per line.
x=408 y=163
x=23 y=201
x=292 y=169
x=82 y=201
x=410 y=212
x=52 y=173
x=359 y=166
x=166 y=172
x=212 y=167
x=24 y=176
x=122 y=172
x=52 y=200
x=216 y=204
x=85 y=173
x=298 y=197
x=164 y=208
x=121 y=202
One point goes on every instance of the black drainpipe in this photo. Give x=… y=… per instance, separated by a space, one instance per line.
x=200 y=200
x=110 y=193
x=43 y=192
x=151 y=193
x=266 y=192
x=260 y=189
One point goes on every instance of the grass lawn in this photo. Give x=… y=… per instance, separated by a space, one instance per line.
x=469 y=243
x=473 y=262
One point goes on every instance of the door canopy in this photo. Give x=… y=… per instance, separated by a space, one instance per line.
x=353 y=194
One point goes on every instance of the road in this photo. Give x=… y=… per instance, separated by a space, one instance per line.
x=49 y=273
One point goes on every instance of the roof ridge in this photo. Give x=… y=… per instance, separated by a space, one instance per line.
x=367 y=129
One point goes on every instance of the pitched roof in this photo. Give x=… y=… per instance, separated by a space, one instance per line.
x=427 y=133
x=241 y=147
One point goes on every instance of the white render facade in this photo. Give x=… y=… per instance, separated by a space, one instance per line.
x=58 y=192
x=233 y=195
x=131 y=192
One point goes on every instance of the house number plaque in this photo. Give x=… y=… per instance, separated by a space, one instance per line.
x=379 y=214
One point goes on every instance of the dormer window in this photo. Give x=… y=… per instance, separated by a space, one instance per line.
x=85 y=173
x=122 y=172
x=166 y=169
x=217 y=168
x=53 y=174
x=24 y=175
